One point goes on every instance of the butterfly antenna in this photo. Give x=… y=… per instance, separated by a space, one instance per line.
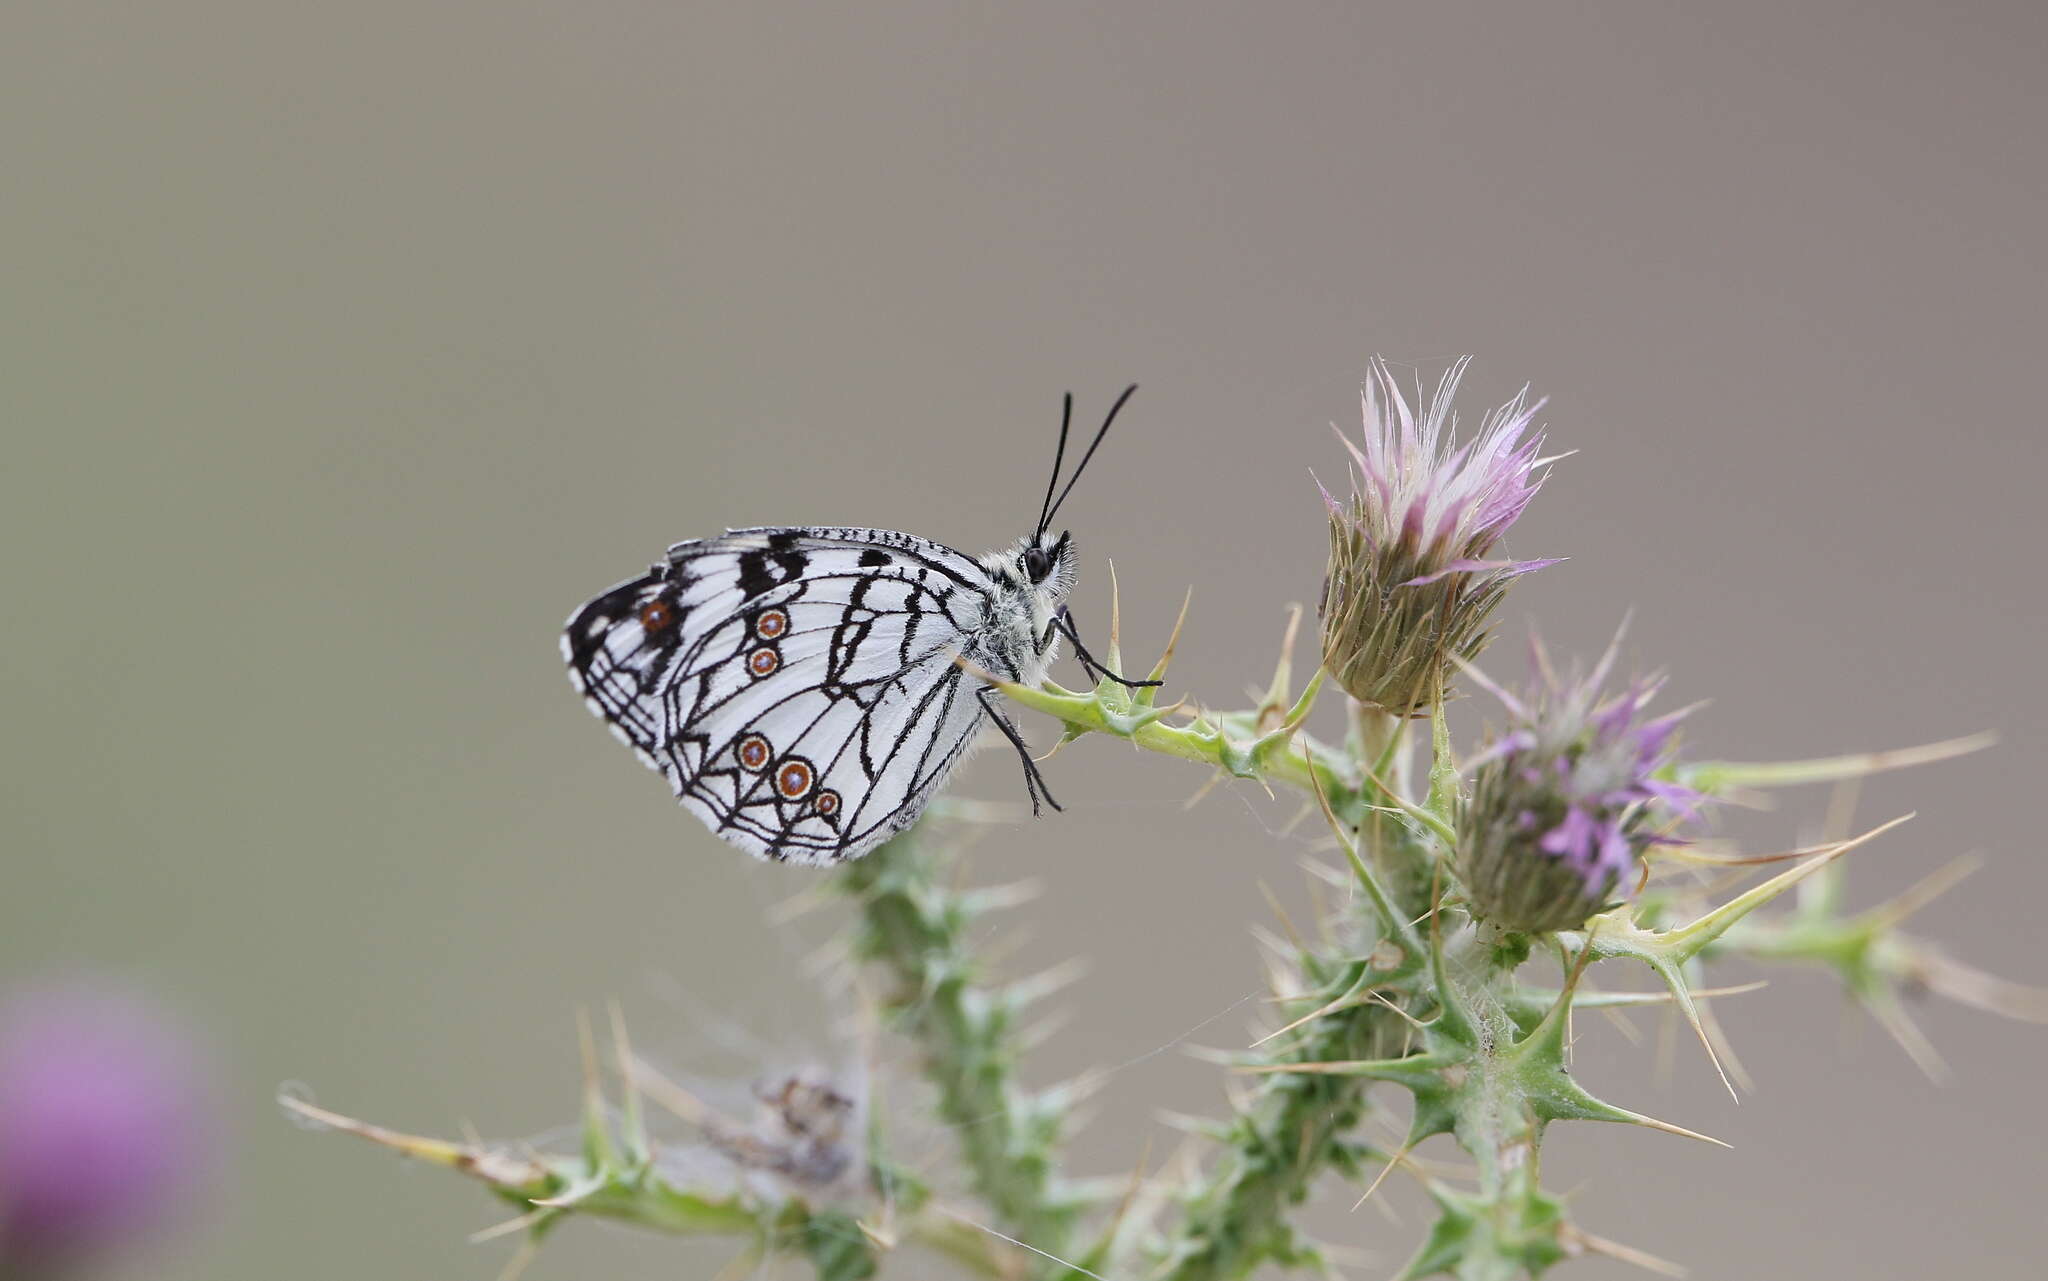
x=1092 y=445
x=1059 y=456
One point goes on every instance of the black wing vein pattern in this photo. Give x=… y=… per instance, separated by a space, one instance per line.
x=796 y=686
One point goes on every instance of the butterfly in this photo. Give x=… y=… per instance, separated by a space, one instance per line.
x=808 y=690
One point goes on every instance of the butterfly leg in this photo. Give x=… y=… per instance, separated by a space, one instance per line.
x=1034 y=782
x=1065 y=626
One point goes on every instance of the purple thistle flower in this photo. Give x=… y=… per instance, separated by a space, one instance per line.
x=1412 y=577
x=1441 y=502
x=102 y=1124
x=1564 y=801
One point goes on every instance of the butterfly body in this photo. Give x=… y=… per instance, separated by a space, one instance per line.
x=807 y=690
x=1017 y=639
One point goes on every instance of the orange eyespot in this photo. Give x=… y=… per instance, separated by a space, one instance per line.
x=827 y=802
x=754 y=752
x=763 y=661
x=771 y=624
x=657 y=616
x=793 y=779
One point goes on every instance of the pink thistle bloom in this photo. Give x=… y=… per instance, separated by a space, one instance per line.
x=1413 y=576
x=1439 y=503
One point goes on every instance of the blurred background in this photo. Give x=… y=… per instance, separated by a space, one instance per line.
x=348 y=347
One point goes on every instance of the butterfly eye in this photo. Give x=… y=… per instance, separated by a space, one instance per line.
x=1037 y=564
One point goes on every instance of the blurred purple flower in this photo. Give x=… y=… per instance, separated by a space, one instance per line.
x=103 y=1125
x=1412 y=576
x=1564 y=802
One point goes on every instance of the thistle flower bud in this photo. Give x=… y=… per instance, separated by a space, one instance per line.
x=1410 y=584
x=1565 y=801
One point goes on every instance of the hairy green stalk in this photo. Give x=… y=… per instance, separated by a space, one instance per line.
x=616 y=1178
x=1296 y=1126
x=913 y=927
x=1293 y=1129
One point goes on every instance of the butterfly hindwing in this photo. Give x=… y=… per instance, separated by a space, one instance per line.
x=796 y=686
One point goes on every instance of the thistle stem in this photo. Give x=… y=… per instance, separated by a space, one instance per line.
x=1296 y=1124
x=1293 y=1130
x=913 y=926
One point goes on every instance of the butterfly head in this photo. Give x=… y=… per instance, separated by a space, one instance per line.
x=1043 y=566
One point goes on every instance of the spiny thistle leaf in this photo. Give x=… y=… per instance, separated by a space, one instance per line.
x=1717 y=778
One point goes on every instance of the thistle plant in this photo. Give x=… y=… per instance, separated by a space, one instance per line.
x=1483 y=885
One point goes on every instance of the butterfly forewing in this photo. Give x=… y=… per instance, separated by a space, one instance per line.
x=796 y=686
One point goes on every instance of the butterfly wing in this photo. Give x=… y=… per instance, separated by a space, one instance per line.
x=796 y=686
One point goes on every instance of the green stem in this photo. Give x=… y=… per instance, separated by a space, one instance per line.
x=1293 y=1129
x=1296 y=1125
x=1234 y=742
x=913 y=926
x=549 y=1189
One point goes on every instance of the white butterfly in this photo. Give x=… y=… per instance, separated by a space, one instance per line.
x=799 y=686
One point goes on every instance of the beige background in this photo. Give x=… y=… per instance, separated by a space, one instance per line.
x=347 y=347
